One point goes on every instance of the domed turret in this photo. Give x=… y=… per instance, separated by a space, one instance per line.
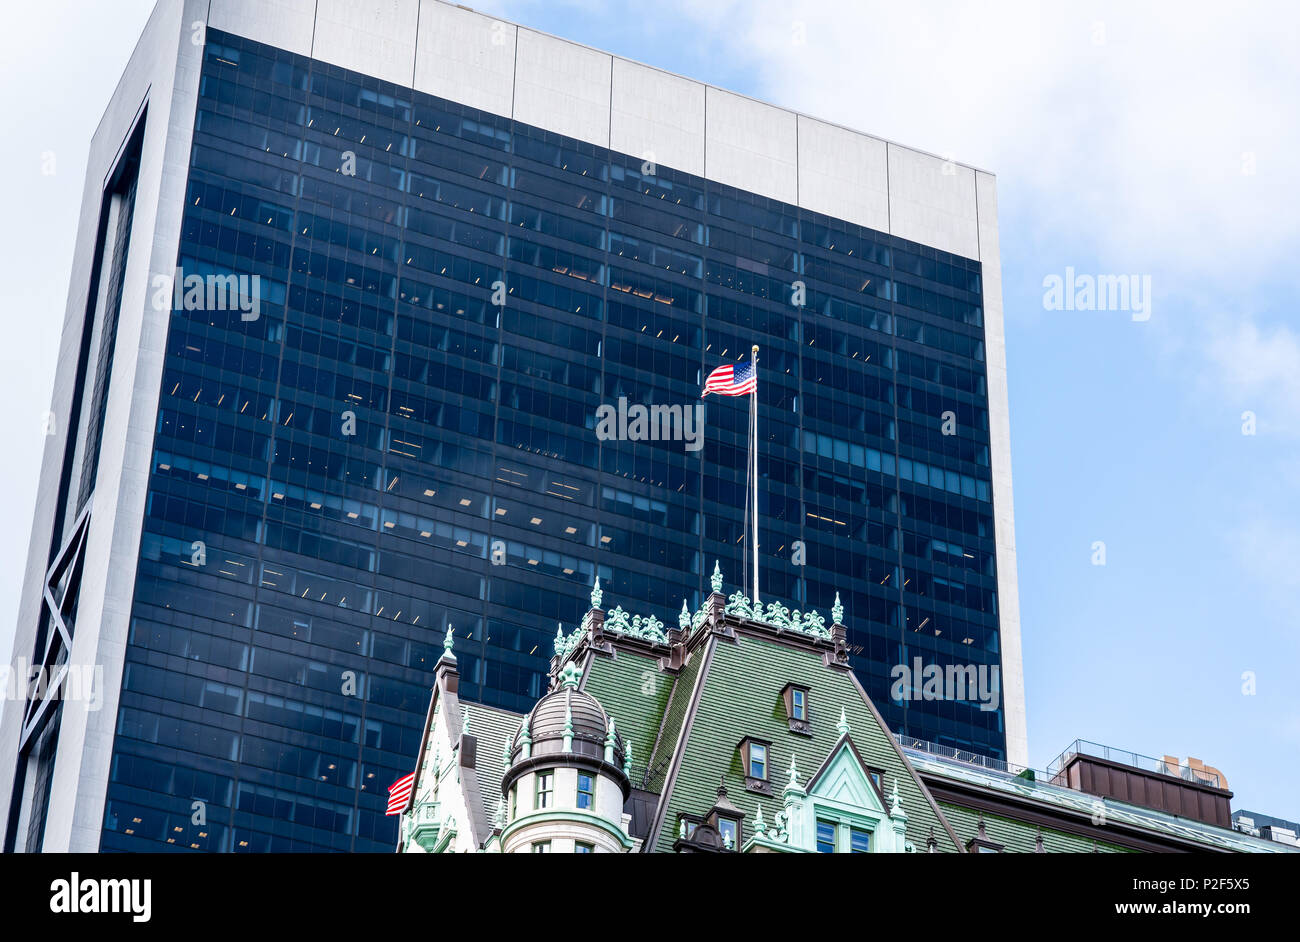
x=566 y=777
x=568 y=722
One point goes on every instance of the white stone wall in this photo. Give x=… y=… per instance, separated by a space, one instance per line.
x=163 y=73
x=446 y=790
x=446 y=50
x=521 y=833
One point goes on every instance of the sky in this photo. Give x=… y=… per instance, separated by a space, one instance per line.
x=1154 y=140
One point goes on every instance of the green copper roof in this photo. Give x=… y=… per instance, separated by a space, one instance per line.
x=1018 y=837
x=1158 y=823
x=674 y=716
x=635 y=693
x=741 y=695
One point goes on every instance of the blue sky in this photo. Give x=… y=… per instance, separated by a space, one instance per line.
x=1125 y=141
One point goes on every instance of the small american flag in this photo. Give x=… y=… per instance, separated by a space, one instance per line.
x=737 y=380
x=399 y=793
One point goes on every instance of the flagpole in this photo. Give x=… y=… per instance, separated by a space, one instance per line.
x=753 y=452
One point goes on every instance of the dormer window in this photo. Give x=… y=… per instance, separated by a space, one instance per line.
x=796 y=708
x=729 y=830
x=980 y=843
x=798 y=704
x=825 y=837
x=719 y=830
x=755 y=760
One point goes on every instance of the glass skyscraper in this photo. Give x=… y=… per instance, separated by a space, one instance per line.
x=401 y=437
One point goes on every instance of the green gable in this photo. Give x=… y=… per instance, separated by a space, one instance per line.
x=740 y=694
x=844 y=781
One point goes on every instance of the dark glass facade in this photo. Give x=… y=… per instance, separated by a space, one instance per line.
x=329 y=478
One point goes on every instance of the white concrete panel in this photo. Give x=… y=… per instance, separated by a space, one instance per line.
x=466 y=57
x=752 y=146
x=375 y=37
x=932 y=201
x=562 y=87
x=165 y=67
x=286 y=24
x=657 y=116
x=843 y=173
x=1004 y=521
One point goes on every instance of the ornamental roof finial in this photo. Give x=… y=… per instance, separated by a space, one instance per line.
x=627 y=757
x=596 y=594
x=684 y=617
x=716 y=579
x=760 y=828
x=611 y=740
x=525 y=740
x=837 y=611
x=895 y=803
x=842 y=727
x=794 y=773
x=570 y=674
x=447 y=642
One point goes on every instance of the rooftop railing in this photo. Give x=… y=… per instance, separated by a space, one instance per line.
x=964 y=756
x=1081 y=747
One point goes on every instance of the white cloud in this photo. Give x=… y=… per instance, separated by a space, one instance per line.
x=1258 y=368
x=1133 y=146
x=1127 y=138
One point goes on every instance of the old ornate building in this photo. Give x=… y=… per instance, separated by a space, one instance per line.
x=743 y=730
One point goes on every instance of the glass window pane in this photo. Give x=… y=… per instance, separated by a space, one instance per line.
x=586 y=790
x=825 y=837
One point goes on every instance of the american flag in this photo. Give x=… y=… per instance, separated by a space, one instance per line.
x=738 y=380
x=399 y=793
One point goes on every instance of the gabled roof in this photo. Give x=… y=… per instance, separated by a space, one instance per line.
x=635 y=695
x=492 y=728
x=738 y=694
x=845 y=777
x=684 y=699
